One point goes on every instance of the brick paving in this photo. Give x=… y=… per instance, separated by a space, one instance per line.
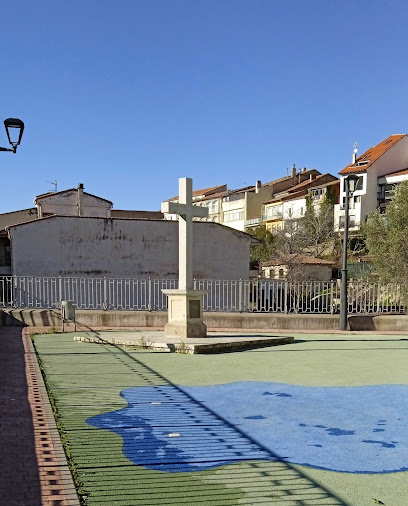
x=33 y=468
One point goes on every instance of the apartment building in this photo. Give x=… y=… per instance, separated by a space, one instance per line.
x=291 y=205
x=379 y=169
x=242 y=208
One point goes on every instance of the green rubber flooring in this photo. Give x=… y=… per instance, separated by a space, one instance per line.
x=86 y=380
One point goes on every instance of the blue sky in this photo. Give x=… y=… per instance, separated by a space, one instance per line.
x=127 y=96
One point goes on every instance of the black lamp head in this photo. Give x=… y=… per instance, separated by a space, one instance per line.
x=11 y=123
x=352 y=182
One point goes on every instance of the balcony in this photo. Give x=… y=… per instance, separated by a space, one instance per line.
x=272 y=216
x=252 y=222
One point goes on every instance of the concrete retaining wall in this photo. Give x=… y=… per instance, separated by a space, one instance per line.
x=44 y=318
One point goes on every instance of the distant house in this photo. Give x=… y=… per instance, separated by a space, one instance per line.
x=72 y=202
x=7 y=219
x=291 y=204
x=73 y=233
x=380 y=169
x=298 y=268
x=208 y=197
x=242 y=208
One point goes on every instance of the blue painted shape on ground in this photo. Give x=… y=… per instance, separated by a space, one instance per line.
x=196 y=428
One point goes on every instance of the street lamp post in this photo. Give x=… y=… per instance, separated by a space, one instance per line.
x=350 y=186
x=14 y=129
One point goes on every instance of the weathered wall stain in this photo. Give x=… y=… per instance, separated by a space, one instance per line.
x=73 y=246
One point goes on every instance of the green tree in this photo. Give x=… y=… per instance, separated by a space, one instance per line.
x=318 y=225
x=264 y=251
x=387 y=240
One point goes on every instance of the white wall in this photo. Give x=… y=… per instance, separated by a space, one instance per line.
x=294 y=209
x=393 y=160
x=66 y=204
x=8 y=219
x=235 y=205
x=73 y=246
x=306 y=272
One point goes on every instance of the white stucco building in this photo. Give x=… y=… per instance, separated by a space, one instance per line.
x=380 y=169
x=241 y=209
x=71 y=202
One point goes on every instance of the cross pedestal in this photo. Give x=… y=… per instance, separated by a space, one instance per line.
x=185 y=313
x=185 y=305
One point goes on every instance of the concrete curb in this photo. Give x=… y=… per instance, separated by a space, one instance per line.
x=216 y=344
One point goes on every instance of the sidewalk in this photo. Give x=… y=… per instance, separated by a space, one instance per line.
x=33 y=468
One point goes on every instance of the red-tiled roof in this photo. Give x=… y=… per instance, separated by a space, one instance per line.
x=371 y=155
x=317 y=181
x=303 y=188
x=204 y=192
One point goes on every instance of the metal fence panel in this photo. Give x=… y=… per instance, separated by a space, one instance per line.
x=263 y=295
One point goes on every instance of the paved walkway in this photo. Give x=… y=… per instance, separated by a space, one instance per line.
x=33 y=469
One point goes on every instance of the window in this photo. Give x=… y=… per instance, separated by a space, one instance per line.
x=352 y=221
x=234 y=196
x=5 y=256
x=351 y=203
x=275 y=227
x=281 y=273
x=234 y=215
x=317 y=193
x=386 y=192
x=273 y=212
x=212 y=205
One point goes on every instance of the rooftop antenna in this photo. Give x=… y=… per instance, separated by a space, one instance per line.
x=55 y=185
x=355 y=152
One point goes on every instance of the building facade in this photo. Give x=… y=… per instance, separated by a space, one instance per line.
x=71 y=246
x=379 y=169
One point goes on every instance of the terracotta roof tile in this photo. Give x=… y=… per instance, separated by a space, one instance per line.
x=371 y=155
x=204 y=192
x=302 y=189
x=318 y=180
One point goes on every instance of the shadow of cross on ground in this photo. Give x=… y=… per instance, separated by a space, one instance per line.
x=205 y=440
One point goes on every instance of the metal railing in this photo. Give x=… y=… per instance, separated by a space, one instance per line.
x=264 y=295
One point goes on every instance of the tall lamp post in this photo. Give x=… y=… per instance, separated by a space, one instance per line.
x=14 y=129
x=349 y=187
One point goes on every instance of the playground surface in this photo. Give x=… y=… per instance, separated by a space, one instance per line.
x=322 y=420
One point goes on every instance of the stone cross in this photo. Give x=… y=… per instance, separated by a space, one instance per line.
x=186 y=211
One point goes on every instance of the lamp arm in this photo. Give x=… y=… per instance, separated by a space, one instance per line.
x=8 y=149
